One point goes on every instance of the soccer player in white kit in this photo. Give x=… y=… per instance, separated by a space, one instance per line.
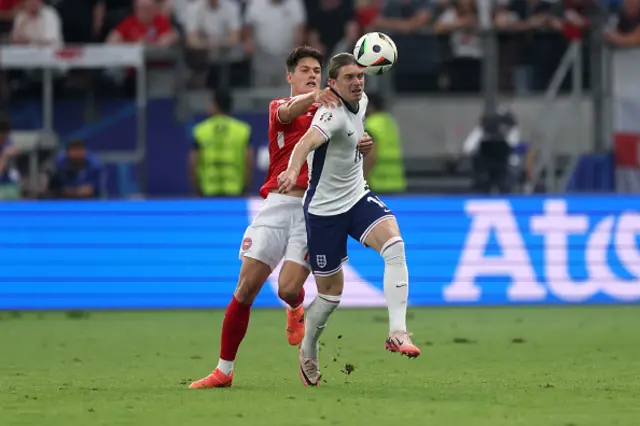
x=338 y=204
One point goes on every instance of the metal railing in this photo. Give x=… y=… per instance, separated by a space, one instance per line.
x=55 y=60
x=551 y=120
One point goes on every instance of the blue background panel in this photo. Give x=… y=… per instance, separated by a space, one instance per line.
x=183 y=253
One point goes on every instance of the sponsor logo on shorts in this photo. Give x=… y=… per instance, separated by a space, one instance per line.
x=321 y=260
x=246 y=243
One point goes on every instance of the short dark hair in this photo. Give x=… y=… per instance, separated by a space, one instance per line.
x=5 y=124
x=338 y=61
x=75 y=143
x=299 y=53
x=223 y=100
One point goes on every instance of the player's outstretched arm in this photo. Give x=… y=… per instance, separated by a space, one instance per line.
x=300 y=104
x=309 y=142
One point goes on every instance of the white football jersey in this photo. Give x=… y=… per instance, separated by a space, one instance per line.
x=336 y=176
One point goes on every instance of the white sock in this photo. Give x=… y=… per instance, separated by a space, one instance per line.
x=396 y=283
x=317 y=316
x=225 y=366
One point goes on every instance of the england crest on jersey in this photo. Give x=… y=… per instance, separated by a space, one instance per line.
x=321 y=260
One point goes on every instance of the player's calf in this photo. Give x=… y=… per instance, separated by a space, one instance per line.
x=328 y=299
x=291 y=291
x=396 y=290
x=253 y=275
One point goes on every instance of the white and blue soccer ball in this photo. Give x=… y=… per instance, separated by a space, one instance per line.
x=376 y=53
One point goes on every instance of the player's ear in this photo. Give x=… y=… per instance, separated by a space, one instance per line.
x=289 y=77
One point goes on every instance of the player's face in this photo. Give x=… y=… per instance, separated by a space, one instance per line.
x=76 y=155
x=306 y=76
x=350 y=83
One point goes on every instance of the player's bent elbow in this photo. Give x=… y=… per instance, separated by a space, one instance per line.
x=284 y=115
x=314 y=138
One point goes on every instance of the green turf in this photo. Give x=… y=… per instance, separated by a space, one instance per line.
x=491 y=367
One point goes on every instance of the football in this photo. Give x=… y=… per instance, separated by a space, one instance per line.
x=376 y=53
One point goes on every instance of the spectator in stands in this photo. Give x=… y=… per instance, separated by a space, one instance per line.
x=8 y=10
x=332 y=26
x=75 y=173
x=626 y=32
x=463 y=70
x=82 y=20
x=537 y=41
x=575 y=17
x=404 y=16
x=115 y=11
x=274 y=28
x=179 y=10
x=9 y=176
x=37 y=24
x=213 y=37
x=221 y=158
x=147 y=25
x=367 y=12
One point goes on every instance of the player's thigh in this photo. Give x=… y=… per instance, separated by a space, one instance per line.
x=373 y=223
x=295 y=269
x=253 y=274
x=266 y=238
x=264 y=243
x=327 y=242
x=381 y=233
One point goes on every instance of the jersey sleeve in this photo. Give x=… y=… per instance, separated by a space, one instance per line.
x=124 y=28
x=328 y=121
x=274 y=119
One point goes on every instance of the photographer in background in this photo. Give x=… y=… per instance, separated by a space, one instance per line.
x=75 y=174
x=491 y=146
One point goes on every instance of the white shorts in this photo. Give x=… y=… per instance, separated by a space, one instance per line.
x=278 y=231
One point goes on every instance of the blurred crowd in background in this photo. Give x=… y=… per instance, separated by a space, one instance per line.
x=239 y=44
x=438 y=39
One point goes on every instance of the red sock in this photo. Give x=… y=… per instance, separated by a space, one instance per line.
x=234 y=328
x=296 y=301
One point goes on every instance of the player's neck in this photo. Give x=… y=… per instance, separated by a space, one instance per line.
x=353 y=106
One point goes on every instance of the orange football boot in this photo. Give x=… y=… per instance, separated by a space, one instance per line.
x=400 y=342
x=295 y=325
x=217 y=379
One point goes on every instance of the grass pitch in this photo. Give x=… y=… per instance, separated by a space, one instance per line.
x=480 y=367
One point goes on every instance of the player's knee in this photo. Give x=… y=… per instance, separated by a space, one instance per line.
x=393 y=251
x=332 y=285
x=292 y=278
x=288 y=291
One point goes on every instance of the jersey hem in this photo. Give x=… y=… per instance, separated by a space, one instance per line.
x=344 y=210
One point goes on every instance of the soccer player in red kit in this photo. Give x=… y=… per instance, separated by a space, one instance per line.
x=278 y=230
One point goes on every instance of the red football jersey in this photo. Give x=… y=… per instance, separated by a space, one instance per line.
x=132 y=30
x=282 y=139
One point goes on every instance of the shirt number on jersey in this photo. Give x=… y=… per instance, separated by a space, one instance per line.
x=280 y=139
x=357 y=155
x=376 y=200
